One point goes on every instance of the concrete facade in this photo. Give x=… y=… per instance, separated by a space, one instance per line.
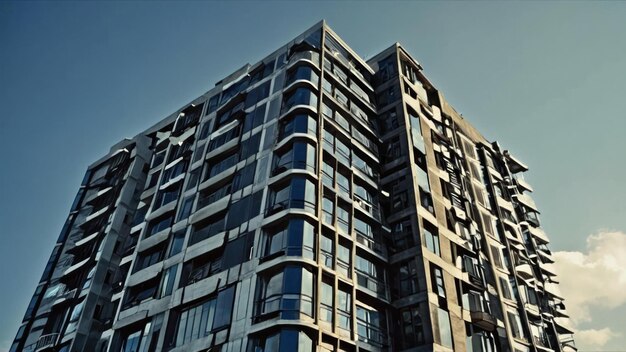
x=310 y=202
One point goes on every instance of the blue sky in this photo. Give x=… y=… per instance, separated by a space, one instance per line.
x=546 y=79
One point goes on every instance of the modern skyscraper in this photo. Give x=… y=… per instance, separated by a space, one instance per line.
x=310 y=202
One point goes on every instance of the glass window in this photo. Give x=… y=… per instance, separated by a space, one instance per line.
x=445 y=331
x=326 y=302
x=431 y=239
x=394 y=149
x=149 y=257
x=295 y=239
x=328 y=209
x=343 y=260
x=166 y=196
x=185 y=210
x=515 y=324
x=254 y=119
x=224 y=308
x=213 y=103
x=250 y=146
x=343 y=218
x=222 y=165
x=370 y=275
x=300 y=156
x=370 y=326
x=238 y=251
x=141 y=292
x=412 y=328
x=243 y=178
x=177 y=242
x=202 y=319
x=159 y=225
x=131 y=342
x=407 y=278
x=328 y=174
x=195 y=322
x=153 y=179
x=158 y=158
x=89 y=277
x=438 y=284
x=344 y=309
x=301 y=73
x=243 y=210
x=300 y=123
x=344 y=184
x=207 y=229
x=286 y=340
x=506 y=290
x=74 y=317
x=169 y=278
x=299 y=193
x=194 y=177
x=363 y=166
x=211 y=196
x=402 y=235
x=286 y=294
x=257 y=94
x=174 y=171
x=326 y=249
x=299 y=96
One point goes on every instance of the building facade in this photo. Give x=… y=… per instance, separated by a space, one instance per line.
x=310 y=202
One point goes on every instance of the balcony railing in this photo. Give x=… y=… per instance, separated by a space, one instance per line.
x=284 y=306
x=288 y=204
x=371 y=283
x=370 y=243
x=47 y=341
x=371 y=334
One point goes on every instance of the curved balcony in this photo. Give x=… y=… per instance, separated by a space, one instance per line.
x=300 y=96
x=307 y=56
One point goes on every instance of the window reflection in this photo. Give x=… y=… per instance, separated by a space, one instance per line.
x=300 y=156
x=287 y=294
x=298 y=193
x=296 y=238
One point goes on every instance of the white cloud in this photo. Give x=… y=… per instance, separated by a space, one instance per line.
x=593 y=337
x=596 y=279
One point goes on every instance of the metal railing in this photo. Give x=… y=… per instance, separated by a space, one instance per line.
x=46 y=341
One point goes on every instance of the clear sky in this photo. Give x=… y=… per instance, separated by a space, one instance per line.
x=546 y=79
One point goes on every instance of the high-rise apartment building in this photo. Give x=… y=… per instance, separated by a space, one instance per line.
x=310 y=202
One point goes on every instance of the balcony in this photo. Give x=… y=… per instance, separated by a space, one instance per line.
x=484 y=320
x=311 y=56
x=371 y=283
x=473 y=270
x=567 y=343
x=514 y=164
x=522 y=185
x=372 y=243
x=542 y=343
x=47 y=342
x=65 y=297
x=532 y=218
x=526 y=201
x=525 y=271
x=290 y=204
